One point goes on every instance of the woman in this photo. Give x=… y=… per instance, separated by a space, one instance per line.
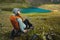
x=19 y=24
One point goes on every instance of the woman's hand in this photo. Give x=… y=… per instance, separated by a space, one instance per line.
x=25 y=31
x=24 y=18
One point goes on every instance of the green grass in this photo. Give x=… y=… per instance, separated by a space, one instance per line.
x=10 y=6
x=38 y=20
x=43 y=20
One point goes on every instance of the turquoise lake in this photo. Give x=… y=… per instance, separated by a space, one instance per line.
x=34 y=9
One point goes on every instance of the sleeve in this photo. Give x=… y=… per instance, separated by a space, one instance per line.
x=21 y=24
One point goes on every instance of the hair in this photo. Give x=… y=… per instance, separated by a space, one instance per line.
x=15 y=10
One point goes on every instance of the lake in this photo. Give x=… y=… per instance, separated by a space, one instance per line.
x=34 y=9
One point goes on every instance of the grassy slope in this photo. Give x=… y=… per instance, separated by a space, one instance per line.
x=46 y=20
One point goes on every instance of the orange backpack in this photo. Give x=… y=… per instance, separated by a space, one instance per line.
x=14 y=22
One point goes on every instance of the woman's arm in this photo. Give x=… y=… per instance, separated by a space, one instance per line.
x=21 y=24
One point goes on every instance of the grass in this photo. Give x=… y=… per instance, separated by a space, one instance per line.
x=43 y=20
x=10 y=6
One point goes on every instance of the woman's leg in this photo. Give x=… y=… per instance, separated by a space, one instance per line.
x=12 y=35
x=27 y=23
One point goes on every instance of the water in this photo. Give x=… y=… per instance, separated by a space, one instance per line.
x=34 y=9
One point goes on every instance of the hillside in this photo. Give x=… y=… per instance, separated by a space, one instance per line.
x=48 y=21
